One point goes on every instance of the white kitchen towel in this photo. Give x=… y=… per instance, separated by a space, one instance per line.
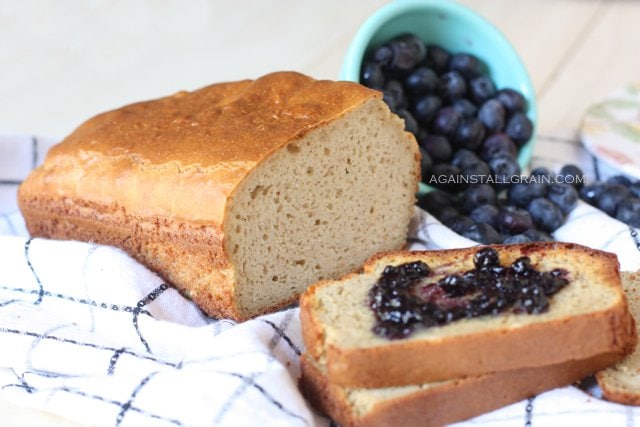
x=89 y=334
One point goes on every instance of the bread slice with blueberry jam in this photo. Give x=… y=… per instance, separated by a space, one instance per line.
x=564 y=302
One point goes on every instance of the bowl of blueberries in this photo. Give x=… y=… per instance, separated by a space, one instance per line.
x=455 y=80
x=465 y=94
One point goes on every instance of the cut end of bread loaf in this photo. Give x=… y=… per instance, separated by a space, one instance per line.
x=621 y=382
x=319 y=208
x=589 y=316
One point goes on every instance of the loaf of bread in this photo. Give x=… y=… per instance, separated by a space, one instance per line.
x=589 y=316
x=621 y=383
x=438 y=403
x=239 y=194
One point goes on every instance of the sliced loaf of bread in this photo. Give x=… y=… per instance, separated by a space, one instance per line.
x=438 y=403
x=587 y=317
x=621 y=383
x=240 y=194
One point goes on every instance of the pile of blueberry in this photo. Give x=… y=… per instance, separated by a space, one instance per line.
x=618 y=196
x=403 y=299
x=526 y=211
x=451 y=105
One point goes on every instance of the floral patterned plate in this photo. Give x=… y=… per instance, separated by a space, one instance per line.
x=611 y=131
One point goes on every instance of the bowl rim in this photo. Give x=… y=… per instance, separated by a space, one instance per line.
x=357 y=48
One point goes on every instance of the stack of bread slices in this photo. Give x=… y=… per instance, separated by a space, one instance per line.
x=443 y=374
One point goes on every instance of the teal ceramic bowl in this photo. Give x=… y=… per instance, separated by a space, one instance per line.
x=456 y=28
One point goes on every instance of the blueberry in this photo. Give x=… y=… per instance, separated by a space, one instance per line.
x=447 y=215
x=486 y=214
x=482 y=233
x=538 y=236
x=482 y=89
x=426 y=108
x=522 y=193
x=563 y=195
x=504 y=168
x=542 y=175
x=590 y=193
x=460 y=224
x=453 y=285
x=498 y=144
x=619 y=179
x=446 y=121
x=512 y=100
x=437 y=58
x=516 y=239
x=466 y=64
x=372 y=75
x=410 y=123
x=393 y=95
x=476 y=172
x=426 y=163
x=629 y=211
x=408 y=51
x=464 y=157
x=545 y=214
x=422 y=132
x=572 y=174
x=452 y=86
x=512 y=220
x=492 y=116
x=611 y=196
x=635 y=189
x=383 y=55
x=465 y=107
x=477 y=195
x=469 y=134
x=437 y=146
x=486 y=257
x=435 y=202
x=422 y=80
x=519 y=128
x=445 y=176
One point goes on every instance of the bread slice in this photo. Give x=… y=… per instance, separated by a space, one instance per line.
x=240 y=194
x=589 y=316
x=621 y=383
x=439 y=403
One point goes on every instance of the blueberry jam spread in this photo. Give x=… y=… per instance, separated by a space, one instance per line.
x=404 y=298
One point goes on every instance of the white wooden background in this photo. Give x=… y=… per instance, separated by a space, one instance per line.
x=64 y=61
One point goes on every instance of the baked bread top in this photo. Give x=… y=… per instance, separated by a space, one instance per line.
x=212 y=137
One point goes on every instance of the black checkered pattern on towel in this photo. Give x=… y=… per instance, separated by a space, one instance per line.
x=91 y=335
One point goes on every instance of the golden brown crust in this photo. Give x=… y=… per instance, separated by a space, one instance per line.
x=402 y=362
x=324 y=397
x=242 y=120
x=155 y=178
x=449 y=402
x=619 y=396
x=163 y=253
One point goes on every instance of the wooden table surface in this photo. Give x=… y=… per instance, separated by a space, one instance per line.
x=62 y=62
